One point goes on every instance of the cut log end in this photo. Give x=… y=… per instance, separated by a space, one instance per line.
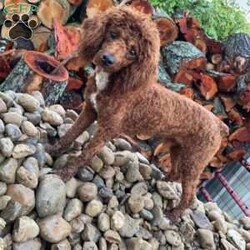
x=143 y=6
x=44 y=65
x=167 y=29
x=94 y=7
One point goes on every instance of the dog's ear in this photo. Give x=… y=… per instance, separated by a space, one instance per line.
x=93 y=34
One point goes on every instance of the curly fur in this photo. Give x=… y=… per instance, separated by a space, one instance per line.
x=132 y=101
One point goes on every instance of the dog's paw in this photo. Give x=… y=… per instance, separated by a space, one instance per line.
x=53 y=149
x=64 y=173
x=68 y=171
x=20 y=26
x=173 y=215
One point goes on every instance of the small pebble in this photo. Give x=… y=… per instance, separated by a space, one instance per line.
x=58 y=109
x=3 y=106
x=52 y=117
x=130 y=227
x=13 y=118
x=25 y=229
x=122 y=144
x=73 y=209
x=91 y=233
x=173 y=238
x=6 y=146
x=103 y=222
x=133 y=174
x=112 y=237
x=96 y=164
x=3 y=188
x=245 y=221
x=26 y=177
x=122 y=157
x=13 y=132
x=236 y=238
x=71 y=187
x=23 y=150
x=85 y=174
x=62 y=245
x=2 y=127
x=206 y=238
x=107 y=172
x=54 y=228
x=8 y=170
x=107 y=155
x=23 y=195
x=89 y=245
x=136 y=203
x=165 y=190
x=139 y=188
x=28 y=102
x=29 y=129
x=147 y=215
x=93 y=208
x=87 y=191
x=50 y=196
x=4 y=200
x=34 y=244
x=117 y=220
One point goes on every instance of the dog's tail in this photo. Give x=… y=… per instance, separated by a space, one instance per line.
x=224 y=129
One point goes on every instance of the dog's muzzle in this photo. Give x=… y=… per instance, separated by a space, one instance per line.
x=108 y=59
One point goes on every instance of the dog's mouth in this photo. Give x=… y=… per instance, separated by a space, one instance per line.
x=101 y=68
x=104 y=66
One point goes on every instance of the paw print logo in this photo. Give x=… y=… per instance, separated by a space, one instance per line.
x=20 y=26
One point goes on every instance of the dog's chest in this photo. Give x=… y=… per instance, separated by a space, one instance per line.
x=101 y=81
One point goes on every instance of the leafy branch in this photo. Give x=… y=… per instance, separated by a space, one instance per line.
x=219 y=18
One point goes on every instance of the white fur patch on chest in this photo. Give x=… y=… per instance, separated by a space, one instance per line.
x=101 y=79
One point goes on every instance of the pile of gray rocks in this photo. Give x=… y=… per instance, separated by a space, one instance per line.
x=117 y=202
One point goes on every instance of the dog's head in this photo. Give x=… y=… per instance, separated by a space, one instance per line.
x=124 y=43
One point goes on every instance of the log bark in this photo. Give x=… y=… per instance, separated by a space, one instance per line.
x=165 y=79
x=237 y=51
x=237 y=44
x=17 y=79
x=33 y=72
x=179 y=54
x=72 y=100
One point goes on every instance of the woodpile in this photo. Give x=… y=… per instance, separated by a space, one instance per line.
x=212 y=73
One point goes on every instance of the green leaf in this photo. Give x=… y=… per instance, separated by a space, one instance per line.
x=219 y=18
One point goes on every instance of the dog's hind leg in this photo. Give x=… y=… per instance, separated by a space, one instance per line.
x=188 y=193
x=192 y=161
x=175 y=172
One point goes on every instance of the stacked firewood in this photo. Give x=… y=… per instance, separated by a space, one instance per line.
x=216 y=75
x=212 y=73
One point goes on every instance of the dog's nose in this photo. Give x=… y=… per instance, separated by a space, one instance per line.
x=108 y=59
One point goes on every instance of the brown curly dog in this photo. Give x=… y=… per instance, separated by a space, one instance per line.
x=124 y=97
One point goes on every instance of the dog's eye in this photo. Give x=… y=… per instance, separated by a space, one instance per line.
x=113 y=35
x=132 y=52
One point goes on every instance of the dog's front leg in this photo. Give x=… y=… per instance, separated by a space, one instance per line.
x=103 y=135
x=86 y=117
